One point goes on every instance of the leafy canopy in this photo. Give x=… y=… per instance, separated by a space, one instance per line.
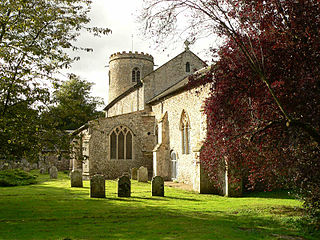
x=74 y=105
x=34 y=35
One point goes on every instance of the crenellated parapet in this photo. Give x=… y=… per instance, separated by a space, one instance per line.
x=126 y=69
x=131 y=55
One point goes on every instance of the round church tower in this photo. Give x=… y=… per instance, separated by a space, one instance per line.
x=126 y=70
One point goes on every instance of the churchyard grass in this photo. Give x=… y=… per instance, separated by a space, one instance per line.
x=52 y=209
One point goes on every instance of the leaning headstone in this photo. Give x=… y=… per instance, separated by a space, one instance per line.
x=134 y=172
x=53 y=172
x=42 y=171
x=157 y=184
x=97 y=186
x=142 y=174
x=124 y=186
x=76 y=178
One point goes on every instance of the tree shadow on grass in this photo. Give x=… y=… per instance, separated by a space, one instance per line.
x=276 y=194
x=184 y=199
x=125 y=218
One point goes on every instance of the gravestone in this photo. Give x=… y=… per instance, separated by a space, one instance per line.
x=157 y=185
x=97 y=186
x=124 y=186
x=76 y=178
x=142 y=175
x=126 y=174
x=34 y=166
x=134 y=172
x=42 y=171
x=53 y=171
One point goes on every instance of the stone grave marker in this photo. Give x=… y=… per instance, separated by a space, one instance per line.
x=53 y=171
x=42 y=171
x=97 y=186
x=142 y=175
x=126 y=174
x=76 y=178
x=124 y=186
x=157 y=185
x=34 y=166
x=134 y=172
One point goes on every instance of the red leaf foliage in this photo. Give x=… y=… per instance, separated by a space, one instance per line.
x=276 y=40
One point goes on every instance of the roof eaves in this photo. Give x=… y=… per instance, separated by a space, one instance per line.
x=124 y=94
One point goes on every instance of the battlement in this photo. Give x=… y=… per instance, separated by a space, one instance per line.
x=131 y=55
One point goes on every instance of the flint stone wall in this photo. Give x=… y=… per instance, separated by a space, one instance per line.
x=170 y=73
x=170 y=139
x=141 y=125
x=131 y=103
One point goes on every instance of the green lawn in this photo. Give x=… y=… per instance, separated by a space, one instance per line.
x=53 y=210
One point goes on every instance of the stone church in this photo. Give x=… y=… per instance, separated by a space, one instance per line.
x=152 y=120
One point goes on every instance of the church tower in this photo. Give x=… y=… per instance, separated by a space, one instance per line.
x=126 y=70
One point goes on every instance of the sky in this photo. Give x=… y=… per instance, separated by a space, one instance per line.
x=121 y=17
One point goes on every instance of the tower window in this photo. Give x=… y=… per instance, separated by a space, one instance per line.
x=136 y=75
x=121 y=143
x=187 y=67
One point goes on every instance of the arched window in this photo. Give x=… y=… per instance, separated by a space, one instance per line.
x=187 y=67
x=185 y=133
x=121 y=143
x=136 y=75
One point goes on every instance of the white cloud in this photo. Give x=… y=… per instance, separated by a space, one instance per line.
x=120 y=17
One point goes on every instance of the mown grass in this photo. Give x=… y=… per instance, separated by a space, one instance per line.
x=53 y=210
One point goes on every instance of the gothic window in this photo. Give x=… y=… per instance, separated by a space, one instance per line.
x=121 y=143
x=187 y=67
x=136 y=75
x=185 y=133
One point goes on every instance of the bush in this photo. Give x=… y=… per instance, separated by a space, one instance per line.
x=16 y=177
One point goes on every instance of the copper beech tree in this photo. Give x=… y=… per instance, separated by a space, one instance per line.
x=264 y=108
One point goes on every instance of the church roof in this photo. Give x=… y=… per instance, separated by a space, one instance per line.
x=124 y=94
x=172 y=59
x=177 y=87
x=173 y=87
x=180 y=85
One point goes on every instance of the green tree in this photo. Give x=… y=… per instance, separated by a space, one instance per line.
x=74 y=105
x=34 y=35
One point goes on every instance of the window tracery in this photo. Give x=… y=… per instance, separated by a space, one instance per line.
x=121 y=140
